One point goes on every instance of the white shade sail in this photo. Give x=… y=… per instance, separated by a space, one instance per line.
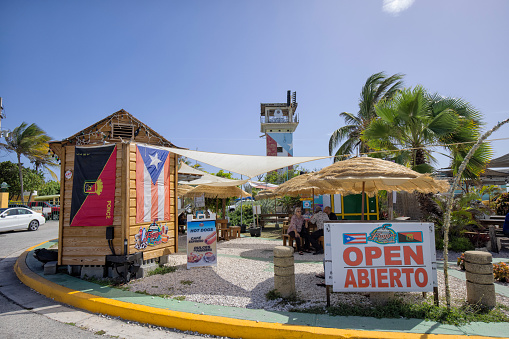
x=212 y=180
x=248 y=165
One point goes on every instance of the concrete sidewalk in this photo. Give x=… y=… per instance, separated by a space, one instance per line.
x=232 y=321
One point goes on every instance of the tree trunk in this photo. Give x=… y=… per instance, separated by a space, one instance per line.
x=447 y=216
x=427 y=204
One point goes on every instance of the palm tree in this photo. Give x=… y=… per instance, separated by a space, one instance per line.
x=27 y=141
x=414 y=121
x=42 y=159
x=377 y=87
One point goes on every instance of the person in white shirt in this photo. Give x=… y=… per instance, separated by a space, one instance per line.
x=318 y=218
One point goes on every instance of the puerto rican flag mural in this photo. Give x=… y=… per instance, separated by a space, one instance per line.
x=282 y=140
x=280 y=145
x=152 y=184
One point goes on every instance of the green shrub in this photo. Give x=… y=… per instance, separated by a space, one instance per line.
x=460 y=244
x=439 y=242
x=247 y=215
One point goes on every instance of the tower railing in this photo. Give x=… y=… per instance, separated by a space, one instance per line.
x=278 y=120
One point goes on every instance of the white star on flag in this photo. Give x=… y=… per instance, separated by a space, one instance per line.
x=154 y=160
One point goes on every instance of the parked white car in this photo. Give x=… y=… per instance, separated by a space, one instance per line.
x=15 y=218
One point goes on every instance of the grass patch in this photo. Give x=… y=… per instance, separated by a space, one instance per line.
x=186 y=282
x=273 y=295
x=180 y=298
x=101 y=332
x=162 y=270
x=426 y=310
x=72 y=324
x=107 y=282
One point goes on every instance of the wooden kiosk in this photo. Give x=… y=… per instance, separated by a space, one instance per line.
x=88 y=242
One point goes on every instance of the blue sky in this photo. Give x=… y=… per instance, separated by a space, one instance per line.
x=197 y=71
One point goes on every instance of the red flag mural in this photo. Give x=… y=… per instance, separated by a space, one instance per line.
x=93 y=192
x=152 y=184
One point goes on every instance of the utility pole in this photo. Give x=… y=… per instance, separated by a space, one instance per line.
x=2 y=116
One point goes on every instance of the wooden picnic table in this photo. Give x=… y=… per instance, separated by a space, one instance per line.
x=493 y=220
x=278 y=218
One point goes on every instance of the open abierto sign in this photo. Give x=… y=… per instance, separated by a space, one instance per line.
x=380 y=256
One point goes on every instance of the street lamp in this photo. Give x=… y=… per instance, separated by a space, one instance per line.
x=4 y=186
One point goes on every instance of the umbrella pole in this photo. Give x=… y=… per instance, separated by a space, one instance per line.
x=313 y=199
x=363 y=202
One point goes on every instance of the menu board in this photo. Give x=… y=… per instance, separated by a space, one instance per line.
x=201 y=242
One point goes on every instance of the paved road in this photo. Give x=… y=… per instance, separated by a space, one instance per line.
x=26 y=314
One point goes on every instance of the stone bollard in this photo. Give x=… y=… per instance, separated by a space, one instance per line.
x=284 y=271
x=480 y=282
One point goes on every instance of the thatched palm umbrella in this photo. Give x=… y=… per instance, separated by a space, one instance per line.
x=265 y=194
x=220 y=192
x=182 y=189
x=370 y=175
x=299 y=185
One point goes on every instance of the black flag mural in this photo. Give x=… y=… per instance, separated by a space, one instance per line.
x=93 y=190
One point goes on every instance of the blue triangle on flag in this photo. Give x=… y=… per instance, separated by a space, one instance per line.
x=154 y=160
x=347 y=238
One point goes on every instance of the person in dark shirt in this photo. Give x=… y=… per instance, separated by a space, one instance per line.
x=332 y=216
x=506 y=225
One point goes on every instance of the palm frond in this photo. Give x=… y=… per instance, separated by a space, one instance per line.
x=345 y=132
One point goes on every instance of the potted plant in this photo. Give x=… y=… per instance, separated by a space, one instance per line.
x=255 y=231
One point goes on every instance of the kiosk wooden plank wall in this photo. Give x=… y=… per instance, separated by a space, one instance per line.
x=87 y=245
x=162 y=249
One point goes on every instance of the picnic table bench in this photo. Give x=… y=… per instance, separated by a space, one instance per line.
x=277 y=218
x=495 y=234
x=493 y=220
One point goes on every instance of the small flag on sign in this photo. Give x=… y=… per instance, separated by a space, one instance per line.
x=409 y=236
x=354 y=238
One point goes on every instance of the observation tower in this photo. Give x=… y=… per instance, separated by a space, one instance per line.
x=278 y=121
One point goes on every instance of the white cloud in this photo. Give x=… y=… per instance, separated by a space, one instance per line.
x=396 y=6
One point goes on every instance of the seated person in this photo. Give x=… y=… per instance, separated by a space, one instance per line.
x=182 y=219
x=332 y=216
x=298 y=230
x=318 y=218
x=182 y=222
x=506 y=225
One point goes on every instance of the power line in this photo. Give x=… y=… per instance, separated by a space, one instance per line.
x=416 y=148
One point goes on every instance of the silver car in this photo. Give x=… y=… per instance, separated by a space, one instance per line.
x=14 y=218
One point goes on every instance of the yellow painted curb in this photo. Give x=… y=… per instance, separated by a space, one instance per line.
x=206 y=324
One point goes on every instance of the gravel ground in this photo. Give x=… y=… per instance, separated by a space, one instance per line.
x=240 y=281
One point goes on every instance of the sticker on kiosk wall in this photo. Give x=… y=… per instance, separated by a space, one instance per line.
x=68 y=174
